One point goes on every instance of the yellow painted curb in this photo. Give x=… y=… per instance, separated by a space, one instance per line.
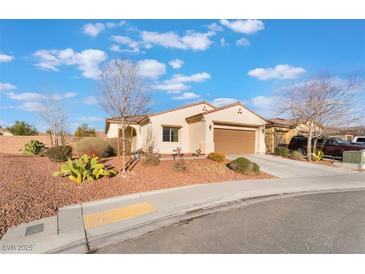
x=117 y=214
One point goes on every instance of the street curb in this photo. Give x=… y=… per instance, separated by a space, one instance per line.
x=192 y=213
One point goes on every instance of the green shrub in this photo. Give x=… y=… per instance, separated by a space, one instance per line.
x=85 y=131
x=59 y=153
x=244 y=166
x=34 y=147
x=180 y=165
x=94 y=146
x=22 y=128
x=151 y=160
x=216 y=156
x=281 y=151
x=297 y=155
x=84 y=168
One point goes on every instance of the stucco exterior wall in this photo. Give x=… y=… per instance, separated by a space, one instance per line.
x=239 y=115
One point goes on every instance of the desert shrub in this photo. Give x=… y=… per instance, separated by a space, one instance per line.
x=85 y=131
x=84 y=168
x=22 y=128
x=297 y=155
x=151 y=160
x=244 y=166
x=281 y=151
x=94 y=146
x=59 y=153
x=317 y=155
x=34 y=147
x=180 y=165
x=197 y=153
x=216 y=156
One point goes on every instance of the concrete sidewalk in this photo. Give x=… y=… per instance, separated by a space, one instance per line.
x=86 y=227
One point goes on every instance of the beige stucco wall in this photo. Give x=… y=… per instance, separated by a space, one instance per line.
x=232 y=115
x=197 y=136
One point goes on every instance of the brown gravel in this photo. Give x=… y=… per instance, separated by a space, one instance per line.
x=29 y=192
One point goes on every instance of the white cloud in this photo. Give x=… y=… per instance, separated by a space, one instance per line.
x=150 y=68
x=192 y=40
x=87 y=60
x=176 y=83
x=6 y=58
x=25 y=96
x=279 y=72
x=242 y=42
x=265 y=105
x=219 y=102
x=133 y=46
x=6 y=86
x=215 y=27
x=186 y=96
x=94 y=29
x=223 y=42
x=33 y=107
x=171 y=87
x=90 y=100
x=244 y=26
x=176 y=63
x=197 y=77
x=59 y=97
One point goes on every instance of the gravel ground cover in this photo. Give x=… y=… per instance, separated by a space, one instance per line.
x=29 y=192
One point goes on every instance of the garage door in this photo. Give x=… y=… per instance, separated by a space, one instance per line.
x=230 y=141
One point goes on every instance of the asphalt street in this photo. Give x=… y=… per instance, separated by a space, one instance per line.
x=315 y=223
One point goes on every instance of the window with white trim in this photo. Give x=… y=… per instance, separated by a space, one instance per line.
x=170 y=134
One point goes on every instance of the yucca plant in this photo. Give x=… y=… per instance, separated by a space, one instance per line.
x=34 y=147
x=84 y=168
x=317 y=155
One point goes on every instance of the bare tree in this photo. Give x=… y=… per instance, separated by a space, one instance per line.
x=56 y=119
x=123 y=96
x=320 y=104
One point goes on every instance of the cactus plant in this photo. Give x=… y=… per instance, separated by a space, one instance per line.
x=34 y=147
x=84 y=168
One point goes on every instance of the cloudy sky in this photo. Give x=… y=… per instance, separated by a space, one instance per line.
x=182 y=61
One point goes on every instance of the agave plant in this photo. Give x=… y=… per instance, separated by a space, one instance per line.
x=84 y=168
x=34 y=147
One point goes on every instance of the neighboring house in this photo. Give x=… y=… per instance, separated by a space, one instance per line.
x=231 y=129
x=279 y=131
x=346 y=133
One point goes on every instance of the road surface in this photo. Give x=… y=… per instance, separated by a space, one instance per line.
x=316 y=223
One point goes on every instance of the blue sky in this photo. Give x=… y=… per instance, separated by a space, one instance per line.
x=182 y=61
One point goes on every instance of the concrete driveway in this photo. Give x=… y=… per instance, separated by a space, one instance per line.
x=287 y=168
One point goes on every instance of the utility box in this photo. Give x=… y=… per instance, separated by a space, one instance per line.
x=354 y=157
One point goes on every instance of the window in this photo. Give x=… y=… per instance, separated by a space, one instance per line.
x=170 y=134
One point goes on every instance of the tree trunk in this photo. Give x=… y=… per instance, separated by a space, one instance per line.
x=118 y=151
x=309 y=146
x=123 y=151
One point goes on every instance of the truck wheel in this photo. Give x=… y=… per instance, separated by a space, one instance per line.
x=302 y=151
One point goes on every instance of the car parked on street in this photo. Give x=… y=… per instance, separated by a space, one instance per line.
x=330 y=146
x=359 y=139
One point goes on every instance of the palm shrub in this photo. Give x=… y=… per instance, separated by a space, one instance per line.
x=59 y=153
x=281 y=151
x=34 y=147
x=216 y=156
x=244 y=166
x=84 y=168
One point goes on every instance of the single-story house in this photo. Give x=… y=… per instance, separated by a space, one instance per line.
x=279 y=131
x=231 y=129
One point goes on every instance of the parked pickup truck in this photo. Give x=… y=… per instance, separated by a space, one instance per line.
x=330 y=146
x=359 y=139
